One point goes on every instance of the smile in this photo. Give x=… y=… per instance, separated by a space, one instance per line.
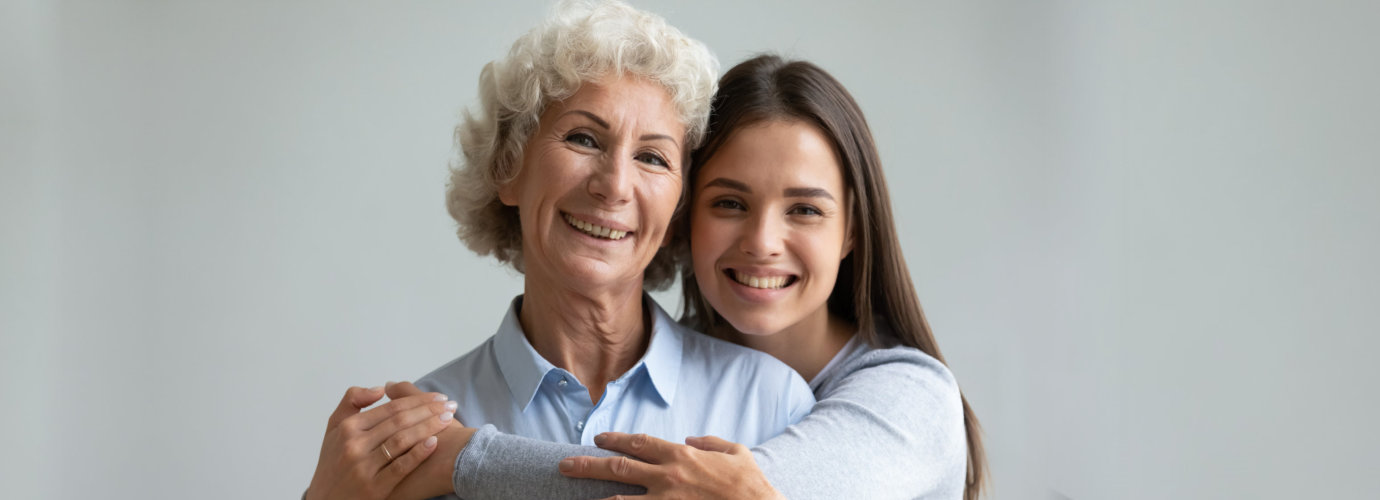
x=763 y=282
x=594 y=230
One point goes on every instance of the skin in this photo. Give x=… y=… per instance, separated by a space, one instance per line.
x=770 y=203
x=353 y=463
x=609 y=155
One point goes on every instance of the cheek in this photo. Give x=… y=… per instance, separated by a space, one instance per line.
x=707 y=240
x=823 y=253
x=661 y=194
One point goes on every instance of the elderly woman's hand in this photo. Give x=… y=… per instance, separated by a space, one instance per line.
x=365 y=454
x=709 y=467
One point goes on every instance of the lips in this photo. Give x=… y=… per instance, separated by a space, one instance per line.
x=595 y=230
x=761 y=280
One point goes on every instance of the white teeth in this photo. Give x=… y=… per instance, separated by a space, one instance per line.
x=756 y=282
x=593 y=230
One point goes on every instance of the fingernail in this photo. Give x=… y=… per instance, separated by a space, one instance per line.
x=441 y=397
x=430 y=442
x=447 y=416
x=451 y=406
x=389 y=384
x=375 y=389
x=567 y=464
x=599 y=440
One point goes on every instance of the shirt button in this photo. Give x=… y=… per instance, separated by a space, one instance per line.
x=580 y=426
x=561 y=383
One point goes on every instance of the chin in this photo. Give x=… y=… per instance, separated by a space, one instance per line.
x=757 y=327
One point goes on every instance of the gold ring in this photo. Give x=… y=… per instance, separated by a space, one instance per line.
x=386 y=453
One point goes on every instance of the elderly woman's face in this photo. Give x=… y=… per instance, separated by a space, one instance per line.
x=599 y=182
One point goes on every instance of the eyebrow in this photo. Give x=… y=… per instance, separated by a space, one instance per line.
x=605 y=125
x=794 y=192
x=808 y=193
x=651 y=137
x=586 y=114
x=730 y=184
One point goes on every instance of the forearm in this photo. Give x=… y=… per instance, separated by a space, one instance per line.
x=433 y=477
x=497 y=465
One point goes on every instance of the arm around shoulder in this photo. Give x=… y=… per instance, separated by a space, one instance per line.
x=888 y=424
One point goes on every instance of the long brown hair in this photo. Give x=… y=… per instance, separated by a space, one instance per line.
x=873 y=283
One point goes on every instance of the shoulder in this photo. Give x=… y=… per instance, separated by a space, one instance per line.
x=902 y=387
x=734 y=369
x=453 y=377
x=908 y=361
x=708 y=353
x=882 y=412
x=895 y=369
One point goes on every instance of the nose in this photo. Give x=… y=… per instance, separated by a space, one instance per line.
x=612 y=180
x=765 y=236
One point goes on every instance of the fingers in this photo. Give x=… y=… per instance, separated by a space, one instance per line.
x=621 y=469
x=371 y=418
x=399 y=390
x=716 y=444
x=355 y=399
x=413 y=427
x=431 y=417
x=389 y=477
x=642 y=446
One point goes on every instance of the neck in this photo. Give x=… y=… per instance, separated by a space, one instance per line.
x=597 y=337
x=806 y=346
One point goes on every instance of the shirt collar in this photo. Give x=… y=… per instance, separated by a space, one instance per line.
x=520 y=364
x=523 y=368
x=665 y=351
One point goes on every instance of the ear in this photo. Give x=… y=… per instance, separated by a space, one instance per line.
x=848 y=233
x=508 y=191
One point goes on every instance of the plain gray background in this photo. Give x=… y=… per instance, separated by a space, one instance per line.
x=1144 y=231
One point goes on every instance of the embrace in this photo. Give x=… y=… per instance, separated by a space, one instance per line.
x=605 y=157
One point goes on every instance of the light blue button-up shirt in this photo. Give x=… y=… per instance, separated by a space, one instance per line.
x=687 y=384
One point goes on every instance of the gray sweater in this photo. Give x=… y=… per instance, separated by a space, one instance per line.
x=889 y=424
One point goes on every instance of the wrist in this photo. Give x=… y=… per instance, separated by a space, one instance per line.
x=452 y=442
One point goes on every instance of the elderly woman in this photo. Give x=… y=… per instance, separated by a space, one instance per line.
x=572 y=169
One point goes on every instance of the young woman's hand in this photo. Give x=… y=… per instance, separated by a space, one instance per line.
x=364 y=455
x=708 y=468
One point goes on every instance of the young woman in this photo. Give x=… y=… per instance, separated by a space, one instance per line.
x=794 y=253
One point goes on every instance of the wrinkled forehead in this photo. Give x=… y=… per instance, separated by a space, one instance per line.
x=624 y=100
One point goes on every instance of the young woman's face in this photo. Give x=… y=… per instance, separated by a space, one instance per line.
x=769 y=226
x=599 y=182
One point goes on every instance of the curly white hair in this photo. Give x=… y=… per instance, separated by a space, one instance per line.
x=581 y=41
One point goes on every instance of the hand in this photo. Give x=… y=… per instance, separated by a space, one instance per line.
x=399 y=390
x=353 y=462
x=708 y=468
x=433 y=478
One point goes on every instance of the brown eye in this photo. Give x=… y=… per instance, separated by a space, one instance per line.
x=728 y=204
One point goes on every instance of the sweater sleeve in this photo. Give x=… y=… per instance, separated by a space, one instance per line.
x=890 y=425
x=526 y=468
